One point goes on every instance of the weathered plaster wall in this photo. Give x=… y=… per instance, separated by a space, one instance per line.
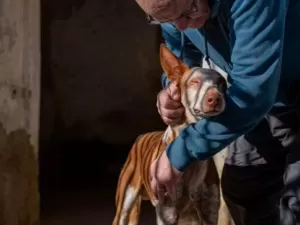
x=19 y=111
x=101 y=72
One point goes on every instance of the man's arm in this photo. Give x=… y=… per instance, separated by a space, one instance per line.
x=256 y=41
x=181 y=46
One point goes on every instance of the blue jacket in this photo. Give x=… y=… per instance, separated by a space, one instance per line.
x=257 y=42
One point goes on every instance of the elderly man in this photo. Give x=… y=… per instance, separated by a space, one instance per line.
x=257 y=42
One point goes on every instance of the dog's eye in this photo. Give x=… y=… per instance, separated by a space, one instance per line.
x=195 y=81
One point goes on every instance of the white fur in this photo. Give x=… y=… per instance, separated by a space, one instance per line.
x=130 y=196
x=158 y=220
x=166 y=135
x=197 y=101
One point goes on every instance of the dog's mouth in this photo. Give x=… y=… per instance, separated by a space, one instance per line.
x=208 y=111
x=206 y=114
x=212 y=113
x=215 y=111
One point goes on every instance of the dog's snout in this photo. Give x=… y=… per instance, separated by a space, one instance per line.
x=212 y=98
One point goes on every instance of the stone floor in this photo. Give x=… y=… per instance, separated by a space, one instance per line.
x=86 y=206
x=79 y=190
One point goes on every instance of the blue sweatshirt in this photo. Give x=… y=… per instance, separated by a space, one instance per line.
x=257 y=42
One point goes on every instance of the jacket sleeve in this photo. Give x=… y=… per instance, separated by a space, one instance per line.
x=181 y=46
x=256 y=32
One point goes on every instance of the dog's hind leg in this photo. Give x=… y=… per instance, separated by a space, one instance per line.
x=128 y=190
x=134 y=215
x=130 y=206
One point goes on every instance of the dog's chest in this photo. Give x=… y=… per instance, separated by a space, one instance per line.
x=190 y=186
x=190 y=189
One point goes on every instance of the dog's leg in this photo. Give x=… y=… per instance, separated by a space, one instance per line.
x=207 y=201
x=159 y=220
x=134 y=215
x=130 y=205
x=128 y=189
x=224 y=214
x=166 y=214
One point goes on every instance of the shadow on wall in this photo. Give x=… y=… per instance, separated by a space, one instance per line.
x=100 y=78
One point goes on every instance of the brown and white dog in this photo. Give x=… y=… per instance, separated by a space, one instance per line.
x=198 y=191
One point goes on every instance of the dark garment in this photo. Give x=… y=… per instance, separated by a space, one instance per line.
x=261 y=176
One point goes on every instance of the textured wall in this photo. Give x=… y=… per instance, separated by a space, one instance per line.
x=101 y=72
x=19 y=111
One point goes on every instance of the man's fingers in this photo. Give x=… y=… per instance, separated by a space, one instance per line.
x=166 y=101
x=153 y=185
x=171 y=104
x=172 y=114
x=171 y=122
x=161 y=193
x=153 y=181
x=158 y=107
x=171 y=190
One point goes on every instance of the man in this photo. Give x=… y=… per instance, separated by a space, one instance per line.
x=257 y=42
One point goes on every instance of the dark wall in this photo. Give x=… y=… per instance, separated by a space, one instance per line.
x=100 y=78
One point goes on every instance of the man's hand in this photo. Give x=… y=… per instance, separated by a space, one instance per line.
x=169 y=105
x=163 y=178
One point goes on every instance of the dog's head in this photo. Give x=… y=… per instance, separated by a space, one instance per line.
x=202 y=90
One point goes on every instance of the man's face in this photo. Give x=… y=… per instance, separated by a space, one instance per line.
x=183 y=13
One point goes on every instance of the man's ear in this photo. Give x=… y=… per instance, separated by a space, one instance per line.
x=171 y=65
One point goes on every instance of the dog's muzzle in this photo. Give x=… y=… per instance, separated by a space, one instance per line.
x=212 y=101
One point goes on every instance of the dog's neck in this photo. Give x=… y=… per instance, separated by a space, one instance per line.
x=172 y=132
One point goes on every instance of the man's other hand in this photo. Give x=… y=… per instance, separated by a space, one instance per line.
x=163 y=178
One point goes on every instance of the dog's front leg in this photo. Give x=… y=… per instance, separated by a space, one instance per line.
x=166 y=214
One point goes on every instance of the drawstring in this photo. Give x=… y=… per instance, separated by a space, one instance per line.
x=206 y=47
x=182 y=46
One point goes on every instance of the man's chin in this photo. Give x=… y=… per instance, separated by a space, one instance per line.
x=195 y=27
x=197 y=24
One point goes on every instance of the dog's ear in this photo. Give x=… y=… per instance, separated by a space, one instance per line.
x=171 y=65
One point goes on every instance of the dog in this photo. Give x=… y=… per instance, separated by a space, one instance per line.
x=198 y=191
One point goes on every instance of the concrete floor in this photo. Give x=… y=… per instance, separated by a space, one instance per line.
x=80 y=189
x=86 y=207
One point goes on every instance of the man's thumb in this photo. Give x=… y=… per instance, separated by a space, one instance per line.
x=174 y=92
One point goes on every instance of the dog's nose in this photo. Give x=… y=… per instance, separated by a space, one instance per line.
x=212 y=98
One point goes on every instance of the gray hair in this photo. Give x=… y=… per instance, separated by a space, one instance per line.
x=156 y=7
